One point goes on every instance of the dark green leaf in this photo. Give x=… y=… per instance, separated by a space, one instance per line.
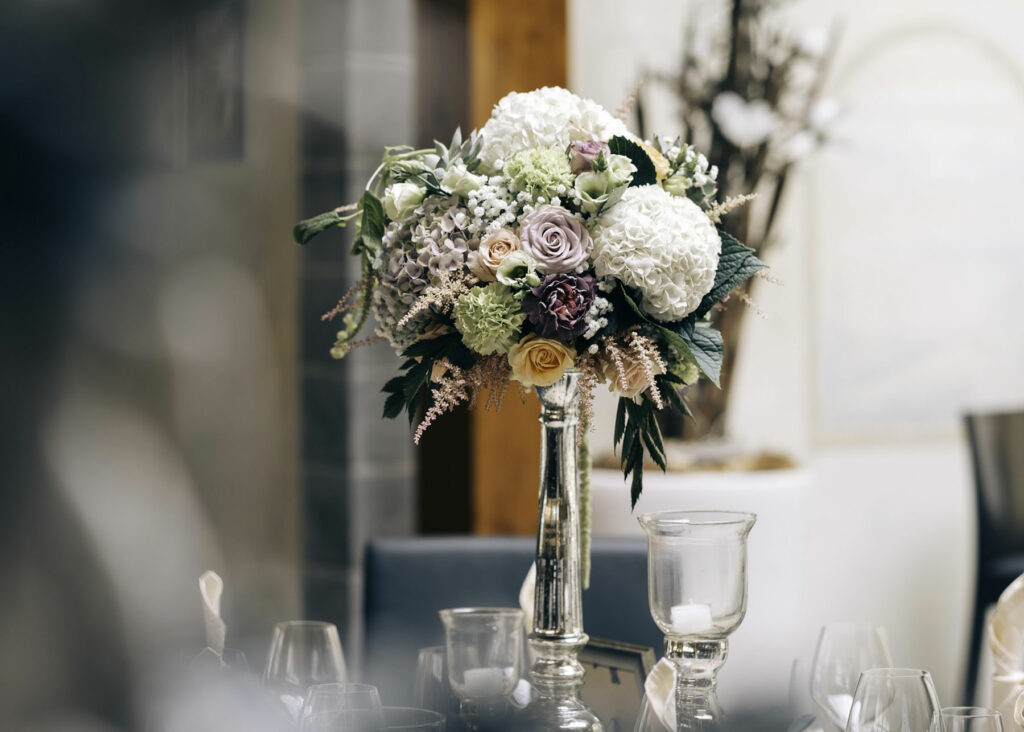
x=371 y=228
x=393 y=405
x=306 y=229
x=706 y=346
x=620 y=422
x=637 y=486
x=736 y=264
x=645 y=174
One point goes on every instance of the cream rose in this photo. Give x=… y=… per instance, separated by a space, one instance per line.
x=539 y=361
x=484 y=262
x=632 y=380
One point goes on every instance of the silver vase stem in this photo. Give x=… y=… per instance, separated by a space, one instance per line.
x=558 y=610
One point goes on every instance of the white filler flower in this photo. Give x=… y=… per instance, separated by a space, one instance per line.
x=550 y=117
x=660 y=244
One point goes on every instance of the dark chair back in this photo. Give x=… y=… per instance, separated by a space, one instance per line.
x=997 y=448
x=409 y=580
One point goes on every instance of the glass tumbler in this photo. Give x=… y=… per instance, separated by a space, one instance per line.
x=971 y=719
x=484 y=651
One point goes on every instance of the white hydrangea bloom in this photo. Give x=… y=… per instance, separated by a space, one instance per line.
x=662 y=245
x=547 y=117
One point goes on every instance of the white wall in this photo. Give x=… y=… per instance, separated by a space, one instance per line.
x=900 y=257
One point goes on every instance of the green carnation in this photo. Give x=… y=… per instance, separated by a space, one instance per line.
x=540 y=172
x=489 y=318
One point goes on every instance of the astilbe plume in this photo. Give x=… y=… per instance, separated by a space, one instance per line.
x=345 y=303
x=457 y=386
x=440 y=297
x=646 y=353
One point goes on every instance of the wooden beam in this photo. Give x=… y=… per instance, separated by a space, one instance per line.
x=513 y=46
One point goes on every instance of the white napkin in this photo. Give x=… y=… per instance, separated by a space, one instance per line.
x=1018 y=712
x=526 y=593
x=1006 y=643
x=660 y=687
x=211 y=587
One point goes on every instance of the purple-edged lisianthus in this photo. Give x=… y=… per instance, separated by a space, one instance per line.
x=558 y=306
x=583 y=153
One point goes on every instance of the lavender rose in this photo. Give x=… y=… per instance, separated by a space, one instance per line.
x=558 y=306
x=583 y=153
x=555 y=239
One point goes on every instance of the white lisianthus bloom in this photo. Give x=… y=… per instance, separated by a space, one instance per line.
x=550 y=117
x=459 y=180
x=662 y=245
x=400 y=199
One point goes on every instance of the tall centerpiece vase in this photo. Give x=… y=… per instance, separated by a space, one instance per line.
x=557 y=636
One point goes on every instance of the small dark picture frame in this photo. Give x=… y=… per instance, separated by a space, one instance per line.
x=613 y=687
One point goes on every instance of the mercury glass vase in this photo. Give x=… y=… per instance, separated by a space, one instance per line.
x=697 y=587
x=557 y=636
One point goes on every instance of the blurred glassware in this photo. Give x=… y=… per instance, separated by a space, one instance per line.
x=484 y=652
x=894 y=700
x=803 y=712
x=431 y=689
x=411 y=719
x=845 y=650
x=697 y=590
x=971 y=719
x=303 y=653
x=340 y=697
x=352 y=720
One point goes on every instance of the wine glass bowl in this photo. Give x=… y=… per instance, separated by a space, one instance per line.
x=844 y=651
x=889 y=699
x=971 y=719
x=302 y=654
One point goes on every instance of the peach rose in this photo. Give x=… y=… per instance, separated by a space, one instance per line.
x=493 y=249
x=539 y=361
x=632 y=381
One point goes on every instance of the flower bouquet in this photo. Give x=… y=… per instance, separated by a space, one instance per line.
x=551 y=239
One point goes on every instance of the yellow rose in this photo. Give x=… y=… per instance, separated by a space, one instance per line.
x=484 y=262
x=661 y=165
x=539 y=361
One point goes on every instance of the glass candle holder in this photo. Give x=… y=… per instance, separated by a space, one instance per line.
x=484 y=650
x=697 y=587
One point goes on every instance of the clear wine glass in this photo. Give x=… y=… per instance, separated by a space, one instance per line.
x=697 y=588
x=302 y=654
x=845 y=650
x=971 y=719
x=352 y=720
x=894 y=700
x=484 y=651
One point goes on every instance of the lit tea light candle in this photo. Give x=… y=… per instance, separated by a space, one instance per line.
x=483 y=682
x=691 y=619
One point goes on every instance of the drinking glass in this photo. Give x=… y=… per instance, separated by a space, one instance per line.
x=303 y=653
x=845 y=650
x=484 y=651
x=430 y=686
x=340 y=697
x=894 y=700
x=697 y=589
x=411 y=719
x=971 y=719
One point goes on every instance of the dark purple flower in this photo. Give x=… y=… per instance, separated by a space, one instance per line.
x=583 y=153
x=558 y=306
